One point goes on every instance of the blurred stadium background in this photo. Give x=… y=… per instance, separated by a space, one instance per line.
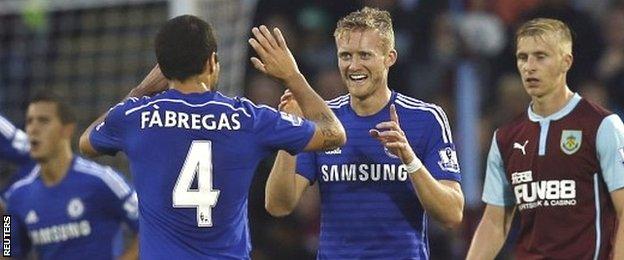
x=456 y=53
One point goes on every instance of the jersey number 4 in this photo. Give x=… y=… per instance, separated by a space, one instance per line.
x=198 y=163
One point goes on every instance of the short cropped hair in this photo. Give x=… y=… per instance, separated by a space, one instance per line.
x=183 y=45
x=368 y=19
x=63 y=110
x=547 y=28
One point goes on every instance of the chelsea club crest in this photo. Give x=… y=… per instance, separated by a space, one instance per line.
x=571 y=141
x=75 y=208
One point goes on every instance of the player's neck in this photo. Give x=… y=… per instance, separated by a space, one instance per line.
x=193 y=85
x=54 y=169
x=191 y=88
x=552 y=102
x=371 y=104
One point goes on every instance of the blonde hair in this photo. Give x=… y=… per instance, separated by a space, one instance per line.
x=368 y=19
x=547 y=28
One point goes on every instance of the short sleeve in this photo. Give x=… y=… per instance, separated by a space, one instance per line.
x=306 y=166
x=107 y=136
x=123 y=204
x=440 y=156
x=610 y=149
x=281 y=131
x=129 y=210
x=496 y=189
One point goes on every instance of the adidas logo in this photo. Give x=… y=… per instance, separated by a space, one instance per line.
x=31 y=217
x=335 y=151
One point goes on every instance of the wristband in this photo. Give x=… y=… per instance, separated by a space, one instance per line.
x=413 y=166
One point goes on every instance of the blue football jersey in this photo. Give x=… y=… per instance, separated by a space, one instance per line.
x=193 y=157
x=77 y=218
x=369 y=209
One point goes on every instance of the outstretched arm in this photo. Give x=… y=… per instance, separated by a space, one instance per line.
x=443 y=200
x=153 y=83
x=276 y=60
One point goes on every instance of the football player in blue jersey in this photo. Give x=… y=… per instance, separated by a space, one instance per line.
x=379 y=191
x=66 y=207
x=193 y=151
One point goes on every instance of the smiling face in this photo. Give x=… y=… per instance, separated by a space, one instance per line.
x=542 y=64
x=364 y=62
x=46 y=133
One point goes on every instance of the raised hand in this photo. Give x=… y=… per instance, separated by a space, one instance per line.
x=389 y=133
x=274 y=57
x=289 y=105
x=154 y=82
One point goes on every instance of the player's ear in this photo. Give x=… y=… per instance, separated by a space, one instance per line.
x=567 y=62
x=391 y=58
x=68 y=130
x=212 y=63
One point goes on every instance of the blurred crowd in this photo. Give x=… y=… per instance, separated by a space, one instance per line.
x=432 y=39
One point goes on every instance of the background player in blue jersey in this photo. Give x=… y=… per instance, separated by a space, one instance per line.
x=66 y=207
x=379 y=190
x=193 y=151
x=558 y=167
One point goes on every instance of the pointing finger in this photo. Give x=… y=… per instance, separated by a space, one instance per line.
x=393 y=114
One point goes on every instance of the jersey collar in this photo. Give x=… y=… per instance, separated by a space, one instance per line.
x=384 y=110
x=559 y=114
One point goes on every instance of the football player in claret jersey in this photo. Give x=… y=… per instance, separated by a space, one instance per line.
x=397 y=170
x=193 y=151
x=558 y=167
x=67 y=207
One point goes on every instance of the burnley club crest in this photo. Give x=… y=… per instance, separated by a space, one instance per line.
x=571 y=141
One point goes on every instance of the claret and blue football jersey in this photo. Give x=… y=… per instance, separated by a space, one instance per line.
x=193 y=157
x=558 y=172
x=77 y=218
x=369 y=208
